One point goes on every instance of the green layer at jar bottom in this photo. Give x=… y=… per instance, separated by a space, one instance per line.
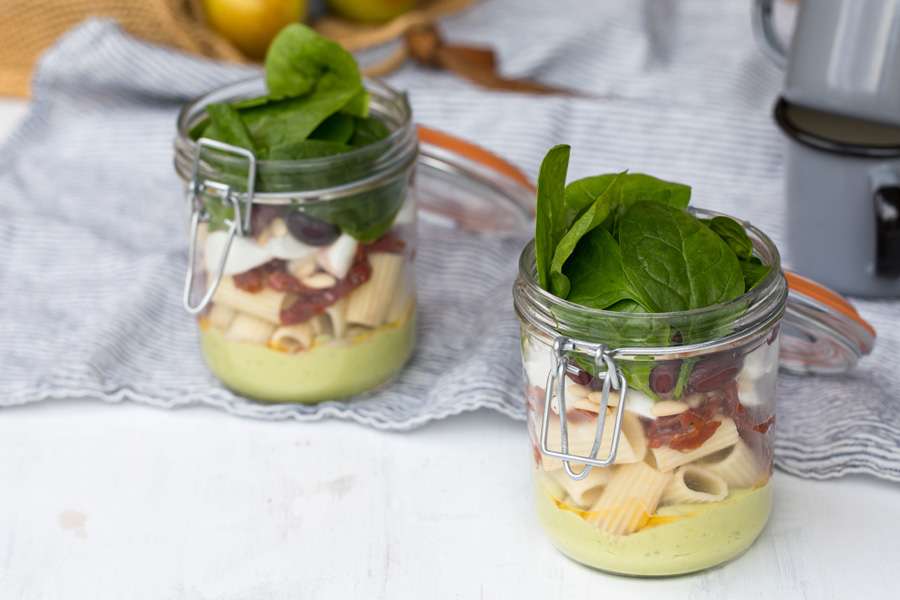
x=327 y=372
x=696 y=536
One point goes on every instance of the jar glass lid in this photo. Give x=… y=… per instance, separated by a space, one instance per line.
x=821 y=331
x=460 y=184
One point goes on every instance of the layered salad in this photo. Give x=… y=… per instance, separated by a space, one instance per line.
x=316 y=299
x=689 y=487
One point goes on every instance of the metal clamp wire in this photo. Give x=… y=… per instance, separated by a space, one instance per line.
x=238 y=225
x=612 y=380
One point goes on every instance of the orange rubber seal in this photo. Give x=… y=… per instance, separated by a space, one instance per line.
x=831 y=299
x=474 y=153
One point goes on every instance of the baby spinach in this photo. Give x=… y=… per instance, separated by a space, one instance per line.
x=336 y=128
x=593 y=216
x=753 y=271
x=368 y=130
x=596 y=273
x=733 y=234
x=225 y=124
x=673 y=262
x=300 y=61
x=550 y=211
x=316 y=106
x=626 y=243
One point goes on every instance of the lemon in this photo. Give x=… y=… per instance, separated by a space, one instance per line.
x=251 y=24
x=371 y=11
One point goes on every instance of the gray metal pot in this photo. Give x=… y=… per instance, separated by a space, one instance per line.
x=842 y=188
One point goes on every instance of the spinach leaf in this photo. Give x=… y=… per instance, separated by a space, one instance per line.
x=753 y=271
x=358 y=105
x=226 y=125
x=336 y=128
x=368 y=130
x=596 y=273
x=291 y=119
x=365 y=216
x=593 y=216
x=673 y=262
x=306 y=149
x=550 y=211
x=733 y=234
x=300 y=61
x=636 y=187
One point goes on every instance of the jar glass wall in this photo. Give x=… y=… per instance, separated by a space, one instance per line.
x=689 y=484
x=315 y=297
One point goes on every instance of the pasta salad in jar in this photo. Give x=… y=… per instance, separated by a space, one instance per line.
x=650 y=335
x=302 y=226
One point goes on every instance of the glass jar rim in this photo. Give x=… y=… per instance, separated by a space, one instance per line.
x=390 y=156
x=757 y=307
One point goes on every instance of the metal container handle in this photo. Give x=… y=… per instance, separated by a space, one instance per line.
x=612 y=379
x=764 y=30
x=238 y=225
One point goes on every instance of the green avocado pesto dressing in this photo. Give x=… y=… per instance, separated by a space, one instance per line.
x=697 y=537
x=327 y=372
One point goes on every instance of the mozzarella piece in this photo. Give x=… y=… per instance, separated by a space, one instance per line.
x=288 y=248
x=338 y=257
x=244 y=254
x=639 y=403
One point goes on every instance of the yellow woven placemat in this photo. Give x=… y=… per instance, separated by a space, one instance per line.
x=28 y=27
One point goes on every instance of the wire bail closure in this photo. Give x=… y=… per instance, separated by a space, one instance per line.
x=612 y=379
x=239 y=225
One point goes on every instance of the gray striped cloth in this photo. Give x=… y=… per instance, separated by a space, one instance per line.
x=93 y=245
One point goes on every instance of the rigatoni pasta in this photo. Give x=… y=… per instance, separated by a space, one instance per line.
x=581 y=433
x=632 y=495
x=265 y=304
x=692 y=484
x=726 y=435
x=583 y=492
x=738 y=466
x=247 y=328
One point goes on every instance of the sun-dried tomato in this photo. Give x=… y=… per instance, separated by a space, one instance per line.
x=255 y=279
x=310 y=302
x=695 y=437
x=389 y=242
x=765 y=425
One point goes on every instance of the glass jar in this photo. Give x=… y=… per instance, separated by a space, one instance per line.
x=652 y=433
x=301 y=271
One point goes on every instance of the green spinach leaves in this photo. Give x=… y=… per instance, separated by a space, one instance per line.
x=315 y=93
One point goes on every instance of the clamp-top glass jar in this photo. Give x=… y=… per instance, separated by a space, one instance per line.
x=300 y=271
x=627 y=478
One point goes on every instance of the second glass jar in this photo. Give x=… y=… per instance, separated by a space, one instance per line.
x=675 y=411
x=302 y=275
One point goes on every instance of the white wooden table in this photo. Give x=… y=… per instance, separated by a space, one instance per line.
x=125 y=501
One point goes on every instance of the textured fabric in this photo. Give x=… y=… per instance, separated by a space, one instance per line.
x=93 y=243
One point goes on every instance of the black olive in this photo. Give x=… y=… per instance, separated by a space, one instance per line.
x=310 y=230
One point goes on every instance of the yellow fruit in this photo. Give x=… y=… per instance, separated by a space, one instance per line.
x=251 y=24
x=371 y=11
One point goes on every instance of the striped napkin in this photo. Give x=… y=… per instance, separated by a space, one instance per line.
x=93 y=246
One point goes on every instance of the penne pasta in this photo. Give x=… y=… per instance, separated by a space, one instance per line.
x=583 y=492
x=337 y=315
x=221 y=316
x=401 y=302
x=630 y=497
x=265 y=304
x=725 y=436
x=581 y=430
x=293 y=338
x=369 y=303
x=693 y=484
x=247 y=328
x=737 y=465
x=634 y=433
